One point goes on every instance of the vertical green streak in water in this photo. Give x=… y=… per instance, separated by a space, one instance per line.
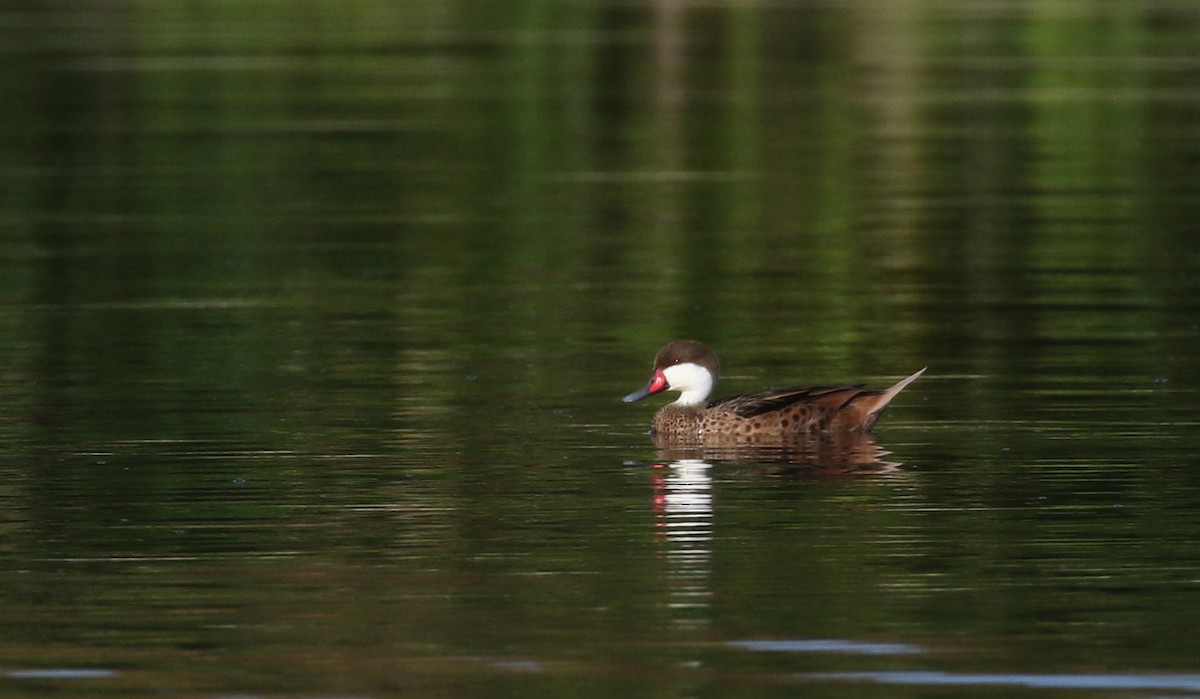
x=577 y=128
x=645 y=86
x=837 y=118
x=745 y=119
x=20 y=137
x=21 y=140
x=531 y=119
x=203 y=125
x=1085 y=119
x=1088 y=171
x=665 y=192
x=527 y=135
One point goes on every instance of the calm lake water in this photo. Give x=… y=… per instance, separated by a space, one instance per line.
x=315 y=321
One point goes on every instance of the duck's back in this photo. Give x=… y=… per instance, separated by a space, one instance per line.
x=790 y=411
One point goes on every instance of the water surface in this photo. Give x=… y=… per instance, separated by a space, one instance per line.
x=315 y=323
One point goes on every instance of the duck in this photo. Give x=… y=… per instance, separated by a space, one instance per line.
x=691 y=368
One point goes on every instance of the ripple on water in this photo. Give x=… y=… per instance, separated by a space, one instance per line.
x=827 y=645
x=1050 y=681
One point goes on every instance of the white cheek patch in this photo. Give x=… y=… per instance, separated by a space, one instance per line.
x=692 y=381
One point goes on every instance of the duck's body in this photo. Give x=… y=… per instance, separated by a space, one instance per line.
x=691 y=368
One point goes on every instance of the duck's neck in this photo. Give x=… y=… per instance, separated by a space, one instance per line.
x=693 y=382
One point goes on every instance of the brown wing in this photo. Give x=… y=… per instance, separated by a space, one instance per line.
x=829 y=399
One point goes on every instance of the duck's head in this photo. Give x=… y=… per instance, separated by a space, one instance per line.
x=686 y=366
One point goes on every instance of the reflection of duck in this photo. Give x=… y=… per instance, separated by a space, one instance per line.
x=691 y=368
x=683 y=499
x=683 y=508
x=841 y=453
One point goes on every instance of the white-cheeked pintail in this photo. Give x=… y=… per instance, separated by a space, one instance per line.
x=691 y=368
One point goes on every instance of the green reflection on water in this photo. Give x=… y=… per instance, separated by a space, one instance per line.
x=315 y=322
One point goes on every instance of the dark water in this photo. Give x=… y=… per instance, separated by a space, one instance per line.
x=315 y=321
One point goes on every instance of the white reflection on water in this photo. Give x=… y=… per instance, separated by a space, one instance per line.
x=683 y=513
x=1147 y=681
x=827 y=645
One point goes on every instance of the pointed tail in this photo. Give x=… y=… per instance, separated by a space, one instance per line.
x=887 y=396
x=865 y=409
